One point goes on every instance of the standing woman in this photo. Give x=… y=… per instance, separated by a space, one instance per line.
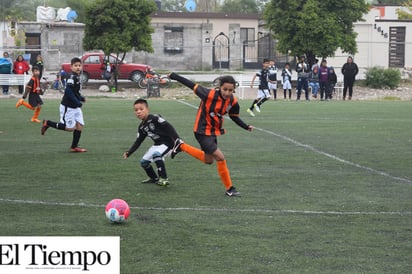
x=349 y=71
x=20 y=67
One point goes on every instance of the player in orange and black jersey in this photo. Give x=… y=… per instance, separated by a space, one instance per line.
x=33 y=89
x=215 y=103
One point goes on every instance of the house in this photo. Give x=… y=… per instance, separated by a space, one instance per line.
x=218 y=41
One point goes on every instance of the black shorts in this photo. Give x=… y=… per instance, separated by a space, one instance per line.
x=35 y=100
x=207 y=143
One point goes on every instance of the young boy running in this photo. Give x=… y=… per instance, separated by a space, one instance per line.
x=215 y=103
x=263 y=89
x=163 y=135
x=71 y=115
x=34 y=91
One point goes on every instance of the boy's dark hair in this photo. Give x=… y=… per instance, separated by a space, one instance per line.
x=33 y=68
x=228 y=79
x=75 y=60
x=141 y=101
x=287 y=64
x=266 y=60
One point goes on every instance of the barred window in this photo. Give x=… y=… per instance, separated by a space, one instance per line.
x=173 y=39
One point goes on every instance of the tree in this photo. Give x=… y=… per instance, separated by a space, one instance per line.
x=239 y=6
x=118 y=26
x=405 y=14
x=314 y=28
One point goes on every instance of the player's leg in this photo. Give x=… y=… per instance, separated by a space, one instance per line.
x=77 y=131
x=158 y=153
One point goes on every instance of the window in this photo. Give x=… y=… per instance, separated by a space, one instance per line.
x=92 y=59
x=247 y=34
x=173 y=40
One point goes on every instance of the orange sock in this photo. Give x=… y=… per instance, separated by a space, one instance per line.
x=224 y=173
x=36 y=113
x=27 y=105
x=194 y=152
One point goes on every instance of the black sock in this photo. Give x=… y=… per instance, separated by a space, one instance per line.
x=253 y=104
x=60 y=126
x=150 y=172
x=161 y=168
x=76 y=138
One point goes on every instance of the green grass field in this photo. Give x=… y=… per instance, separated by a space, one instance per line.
x=326 y=188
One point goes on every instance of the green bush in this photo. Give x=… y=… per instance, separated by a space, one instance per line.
x=377 y=77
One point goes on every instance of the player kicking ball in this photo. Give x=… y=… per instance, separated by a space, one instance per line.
x=215 y=103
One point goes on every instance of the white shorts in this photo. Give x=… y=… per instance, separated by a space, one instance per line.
x=263 y=93
x=71 y=116
x=273 y=86
x=287 y=85
x=160 y=150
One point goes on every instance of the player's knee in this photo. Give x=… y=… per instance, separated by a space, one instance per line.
x=157 y=157
x=144 y=163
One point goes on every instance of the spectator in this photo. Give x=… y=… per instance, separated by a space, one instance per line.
x=302 y=68
x=21 y=67
x=6 y=65
x=286 y=81
x=40 y=65
x=272 y=78
x=313 y=79
x=323 y=80
x=333 y=79
x=349 y=71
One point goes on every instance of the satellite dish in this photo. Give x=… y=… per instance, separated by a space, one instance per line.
x=190 y=5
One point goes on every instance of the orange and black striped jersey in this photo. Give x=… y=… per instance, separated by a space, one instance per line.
x=212 y=108
x=33 y=84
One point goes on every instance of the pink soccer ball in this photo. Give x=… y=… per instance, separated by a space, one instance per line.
x=117 y=210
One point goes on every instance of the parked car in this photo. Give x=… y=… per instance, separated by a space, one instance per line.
x=93 y=67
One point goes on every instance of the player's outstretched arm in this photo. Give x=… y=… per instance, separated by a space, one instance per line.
x=182 y=80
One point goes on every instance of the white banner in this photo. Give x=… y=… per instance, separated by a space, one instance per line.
x=60 y=255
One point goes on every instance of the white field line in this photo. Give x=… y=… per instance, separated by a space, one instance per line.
x=334 y=157
x=209 y=209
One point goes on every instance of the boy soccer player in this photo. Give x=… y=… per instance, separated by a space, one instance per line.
x=33 y=89
x=163 y=135
x=215 y=103
x=71 y=115
x=263 y=89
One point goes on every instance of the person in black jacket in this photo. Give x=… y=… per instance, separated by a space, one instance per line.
x=349 y=71
x=71 y=115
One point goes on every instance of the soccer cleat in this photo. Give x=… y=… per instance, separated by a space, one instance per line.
x=78 y=149
x=250 y=112
x=232 y=192
x=163 y=182
x=19 y=103
x=176 y=148
x=256 y=107
x=35 y=120
x=150 y=181
x=44 y=127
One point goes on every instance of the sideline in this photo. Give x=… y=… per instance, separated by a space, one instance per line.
x=309 y=147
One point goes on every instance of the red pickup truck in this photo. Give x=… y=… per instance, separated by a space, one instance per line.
x=93 y=68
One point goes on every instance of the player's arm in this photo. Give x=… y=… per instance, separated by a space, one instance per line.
x=234 y=115
x=135 y=146
x=28 y=88
x=253 y=80
x=182 y=80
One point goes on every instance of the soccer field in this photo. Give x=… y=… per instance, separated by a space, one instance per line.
x=326 y=188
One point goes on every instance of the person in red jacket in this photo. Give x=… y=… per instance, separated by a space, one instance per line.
x=20 y=67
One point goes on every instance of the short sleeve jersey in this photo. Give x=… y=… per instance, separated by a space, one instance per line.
x=273 y=70
x=72 y=97
x=263 y=78
x=212 y=108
